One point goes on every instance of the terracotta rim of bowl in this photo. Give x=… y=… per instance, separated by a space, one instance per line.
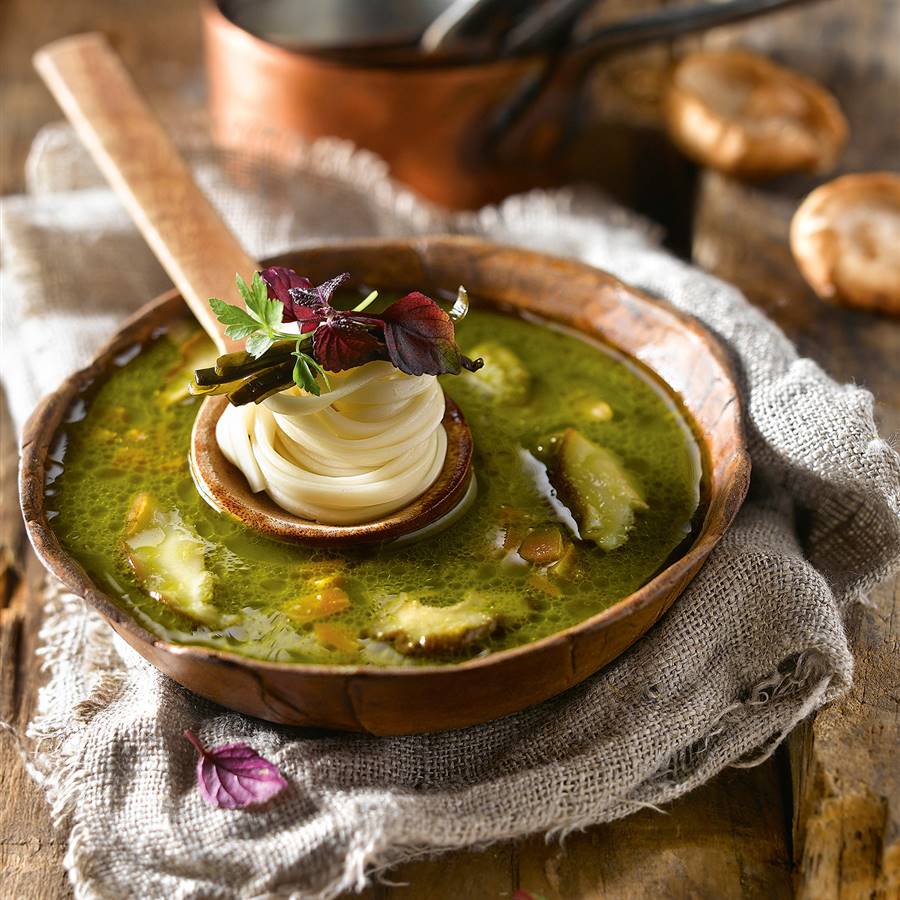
x=48 y=418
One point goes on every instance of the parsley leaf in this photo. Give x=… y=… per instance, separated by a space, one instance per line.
x=267 y=312
x=303 y=374
x=240 y=324
x=258 y=342
x=232 y=315
x=259 y=323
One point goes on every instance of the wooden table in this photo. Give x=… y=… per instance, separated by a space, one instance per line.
x=819 y=820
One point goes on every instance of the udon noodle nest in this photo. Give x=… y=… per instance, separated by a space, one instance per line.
x=366 y=448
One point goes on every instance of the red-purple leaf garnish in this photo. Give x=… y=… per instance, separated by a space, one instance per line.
x=414 y=334
x=420 y=338
x=279 y=280
x=341 y=343
x=312 y=305
x=235 y=775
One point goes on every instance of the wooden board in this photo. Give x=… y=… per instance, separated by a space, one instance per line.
x=846 y=774
x=729 y=839
x=845 y=763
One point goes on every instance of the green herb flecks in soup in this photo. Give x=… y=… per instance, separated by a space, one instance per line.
x=588 y=479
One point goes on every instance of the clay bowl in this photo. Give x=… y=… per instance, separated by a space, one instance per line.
x=669 y=344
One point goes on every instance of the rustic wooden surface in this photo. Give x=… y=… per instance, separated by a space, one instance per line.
x=731 y=838
x=845 y=770
x=844 y=763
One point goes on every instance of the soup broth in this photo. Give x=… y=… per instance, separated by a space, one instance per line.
x=522 y=563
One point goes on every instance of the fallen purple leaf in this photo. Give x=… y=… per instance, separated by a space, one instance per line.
x=235 y=775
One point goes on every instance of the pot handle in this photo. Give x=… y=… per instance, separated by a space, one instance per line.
x=137 y=157
x=672 y=22
x=556 y=86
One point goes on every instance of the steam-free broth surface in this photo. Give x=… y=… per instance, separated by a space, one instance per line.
x=513 y=567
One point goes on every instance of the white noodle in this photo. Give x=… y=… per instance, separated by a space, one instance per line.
x=360 y=451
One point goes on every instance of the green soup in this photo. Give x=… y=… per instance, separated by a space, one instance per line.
x=131 y=435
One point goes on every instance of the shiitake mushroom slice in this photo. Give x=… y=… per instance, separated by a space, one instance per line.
x=845 y=238
x=746 y=116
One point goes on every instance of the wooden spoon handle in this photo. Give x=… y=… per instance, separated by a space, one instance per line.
x=126 y=140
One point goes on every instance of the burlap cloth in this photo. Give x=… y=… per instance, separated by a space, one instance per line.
x=754 y=645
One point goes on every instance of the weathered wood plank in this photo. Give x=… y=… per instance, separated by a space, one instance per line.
x=845 y=764
x=847 y=774
x=724 y=841
x=469 y=874
x=846 y=778
x=11 y=532
x=741 y=814
x=31 y=852
x=845 y=769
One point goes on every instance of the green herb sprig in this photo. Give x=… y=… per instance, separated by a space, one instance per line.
x=259 y=326
x=260 y=371
x=413 y=333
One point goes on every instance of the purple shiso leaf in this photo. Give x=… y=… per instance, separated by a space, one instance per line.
x=314 y=303
x=414 y=333
x=420 y=338
x=341 y=343
x=235 y=775
x=279 y=280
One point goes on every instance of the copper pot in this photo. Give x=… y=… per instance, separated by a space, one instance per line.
x=442 y=126
x=427 y=122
